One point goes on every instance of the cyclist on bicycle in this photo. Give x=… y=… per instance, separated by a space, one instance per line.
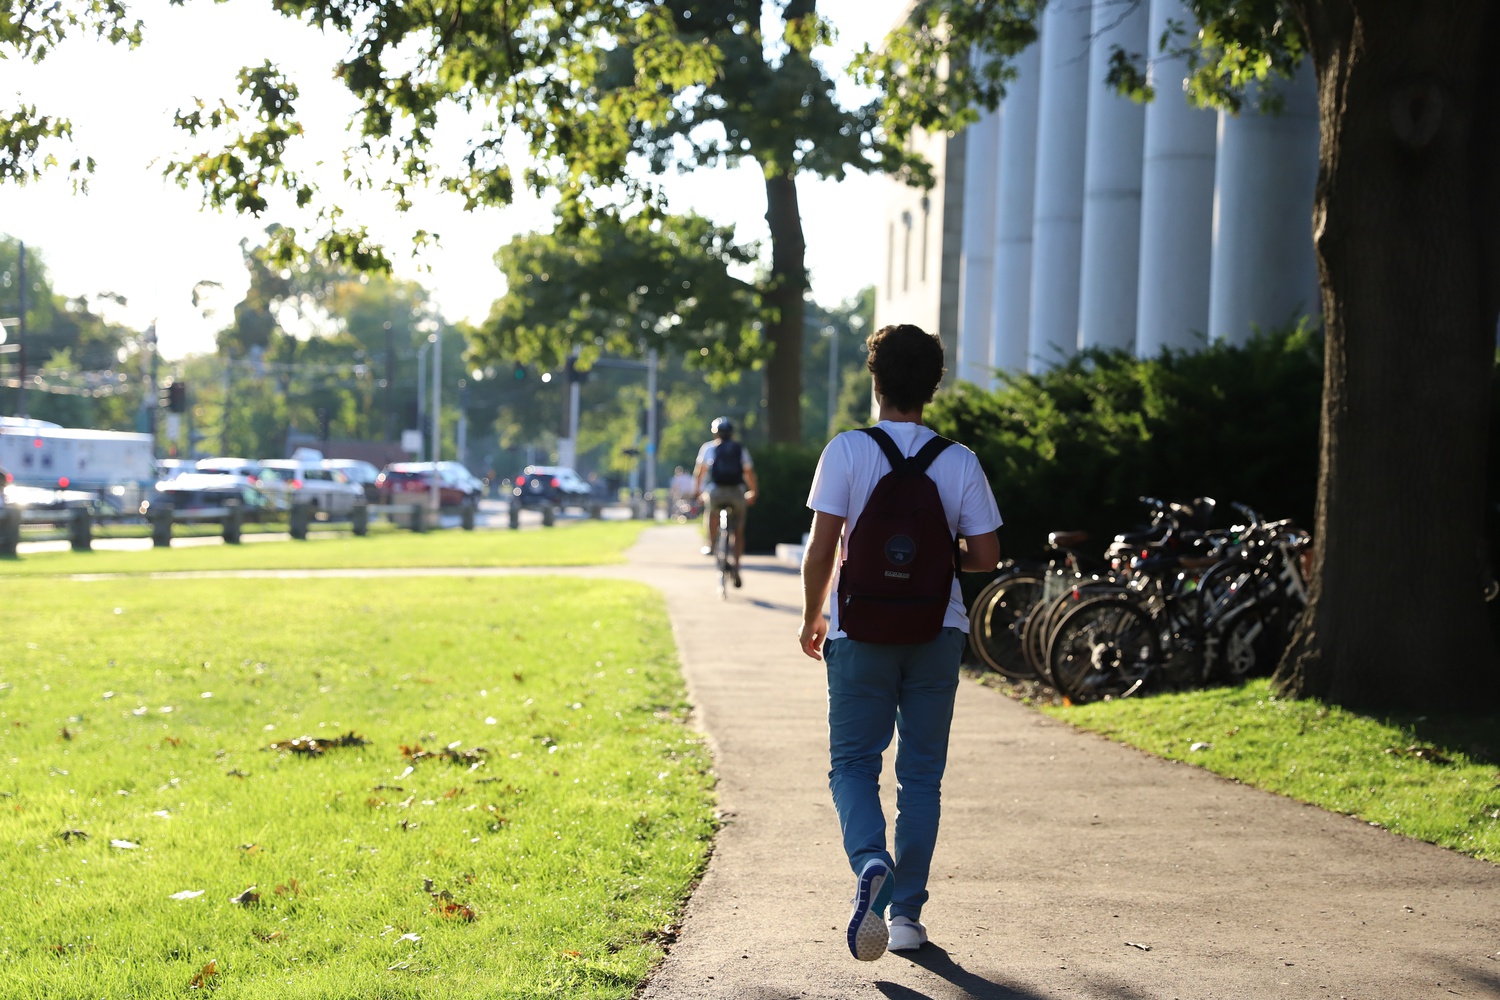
x=724 y=464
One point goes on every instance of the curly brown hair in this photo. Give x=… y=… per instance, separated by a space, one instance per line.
x=906 y=363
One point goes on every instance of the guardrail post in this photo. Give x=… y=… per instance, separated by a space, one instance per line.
x=418 y=518
x=514 y=514
x=300 y=516
x=359 y=520
x=466 y=516
x=549 y=515
x=81 y=530
x=10 y=530
x=161 y=527
x=234 y=519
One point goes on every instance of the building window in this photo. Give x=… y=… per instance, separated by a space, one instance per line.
x=906 y=252
x=890 y=261
x=926 y=219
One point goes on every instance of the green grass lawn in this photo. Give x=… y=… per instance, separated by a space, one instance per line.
x=587 y=543
x=525 y=821
x=1435 y=779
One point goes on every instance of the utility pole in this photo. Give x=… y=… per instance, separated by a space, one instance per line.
x=437 y=415
x=390 y=381
x=228 y=388
x=833 y=375
x=651 y=433
x=21 y=339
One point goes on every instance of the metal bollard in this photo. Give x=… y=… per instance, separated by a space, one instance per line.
x=81 y=530
x=514 y=515
x=234 y=520
x=161 y=527
x=418 y=518
x=466 y=516
x=10 y=530
x=549 y=516
x=359 y=519
x=301 y=516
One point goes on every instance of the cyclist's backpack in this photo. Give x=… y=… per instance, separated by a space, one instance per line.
x=728 y=468
x=897 y=576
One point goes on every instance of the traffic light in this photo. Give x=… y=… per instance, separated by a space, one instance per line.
x=177 y=397
x=520 y=372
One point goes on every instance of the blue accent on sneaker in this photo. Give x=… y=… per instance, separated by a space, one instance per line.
x=868 y=934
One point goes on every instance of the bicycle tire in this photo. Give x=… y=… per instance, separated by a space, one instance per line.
x=1082 y=592
x=995 y=621
x=721 y=553
x=1107 y=647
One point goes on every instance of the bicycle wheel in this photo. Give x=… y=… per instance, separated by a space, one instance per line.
x=1105 y=648
x=1060 y=610
x=721 y=553
x=1250 y=640
x=995 y=623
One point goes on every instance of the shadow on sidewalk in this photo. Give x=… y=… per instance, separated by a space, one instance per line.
x=937 y=961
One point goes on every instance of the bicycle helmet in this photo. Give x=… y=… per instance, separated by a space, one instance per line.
x=721 y=427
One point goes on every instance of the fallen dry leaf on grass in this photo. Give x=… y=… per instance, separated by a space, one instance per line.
x=200 y=981
x=309 y=746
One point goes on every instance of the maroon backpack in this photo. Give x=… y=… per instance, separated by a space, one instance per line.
x=897 y=576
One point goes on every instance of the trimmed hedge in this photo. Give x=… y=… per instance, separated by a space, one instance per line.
x=1075 y=447
x=784 y=474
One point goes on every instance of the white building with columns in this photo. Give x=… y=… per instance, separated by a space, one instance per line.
x=1072 y=217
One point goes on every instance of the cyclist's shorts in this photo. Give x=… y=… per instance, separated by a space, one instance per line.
x=732 y=497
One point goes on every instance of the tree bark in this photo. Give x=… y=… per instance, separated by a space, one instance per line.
x=784 y=297
x=1405 y=226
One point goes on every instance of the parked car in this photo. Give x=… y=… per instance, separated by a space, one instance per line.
x=405 y=482
x=171 y=468
x=358 y=471
x=288 y=480
x=555 y=485
x=194 y=491
x=230 y=466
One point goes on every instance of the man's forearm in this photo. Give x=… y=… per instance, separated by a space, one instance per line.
x=817 y=578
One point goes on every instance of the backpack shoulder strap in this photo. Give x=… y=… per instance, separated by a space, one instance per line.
x=929 y=451
x=892 y=453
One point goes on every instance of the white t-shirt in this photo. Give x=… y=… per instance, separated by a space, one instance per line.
x=706 y=460
x=853 y=463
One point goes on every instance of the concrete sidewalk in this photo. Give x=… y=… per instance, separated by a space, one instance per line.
x=1068 y=866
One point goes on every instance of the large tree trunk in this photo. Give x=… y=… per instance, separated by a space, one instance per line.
x=784 y=293
x=1405 y=226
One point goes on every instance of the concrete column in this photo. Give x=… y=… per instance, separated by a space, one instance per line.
x=1265 y=274
x=976 y=266
x=1112 y=188
x=1062 y=128
x=1013 y=214
x=1177 y=204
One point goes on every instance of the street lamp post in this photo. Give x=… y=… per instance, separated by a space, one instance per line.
x=434 y=341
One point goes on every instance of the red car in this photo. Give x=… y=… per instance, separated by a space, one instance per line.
x=408 y=482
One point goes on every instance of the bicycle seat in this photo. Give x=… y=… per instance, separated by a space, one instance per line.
x=1192 y=563
x=1066 y=539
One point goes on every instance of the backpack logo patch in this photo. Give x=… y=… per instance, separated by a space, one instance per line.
x=900 y=549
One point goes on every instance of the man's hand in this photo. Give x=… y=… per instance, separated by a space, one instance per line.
x=750 y=496
x=811 y=635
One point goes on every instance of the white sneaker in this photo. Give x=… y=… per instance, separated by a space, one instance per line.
x=906 y=934
x=867 y=931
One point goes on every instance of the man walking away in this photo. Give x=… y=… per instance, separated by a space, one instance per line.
x=897 y=510
x=725 y=465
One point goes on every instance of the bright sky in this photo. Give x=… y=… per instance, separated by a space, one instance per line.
x=139 y=235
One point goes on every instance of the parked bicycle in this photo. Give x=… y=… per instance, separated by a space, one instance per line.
x=1177 y=603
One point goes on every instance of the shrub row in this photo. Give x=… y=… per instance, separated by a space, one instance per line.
x=1076 y=446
